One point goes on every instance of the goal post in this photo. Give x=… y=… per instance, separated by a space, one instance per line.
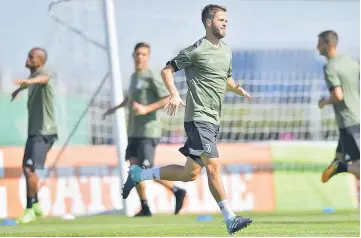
x=119 y=127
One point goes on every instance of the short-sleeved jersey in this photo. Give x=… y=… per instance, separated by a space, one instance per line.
x=342 y=71
x=41 y=118
x=145 y=88
x=207 y=68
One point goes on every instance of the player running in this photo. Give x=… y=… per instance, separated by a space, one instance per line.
x=342 y=75
x=42 y=129
x=208 y=69
x=147 y=94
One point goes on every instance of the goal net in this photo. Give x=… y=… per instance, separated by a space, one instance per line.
x=286 y=86
x=78 y=49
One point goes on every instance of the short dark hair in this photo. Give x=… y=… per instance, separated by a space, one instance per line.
x=141 y=44
x=45 y=53
x=210 y=10
x=330 y=37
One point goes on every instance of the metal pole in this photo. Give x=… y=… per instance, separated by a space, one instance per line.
x=120 y=133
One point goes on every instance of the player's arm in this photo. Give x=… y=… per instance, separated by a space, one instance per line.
x=236 y=88
x=24 y=83
x=158 y=104
x=17 y=91
x=39 y=79
x=42 y=78
x=334 y=84
x=158 y=88
x=181 y=61
x=140 y=109
x=113 y=109
x=167 y=77
x=336 y=96
x=232 y=86
x=174 y=99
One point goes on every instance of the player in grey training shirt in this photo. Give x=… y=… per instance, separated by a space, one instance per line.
x=146 y=95
x=342 y=75
x=208 y=69
x=42 y=129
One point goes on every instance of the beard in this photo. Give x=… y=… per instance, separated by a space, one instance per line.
x=217 y=33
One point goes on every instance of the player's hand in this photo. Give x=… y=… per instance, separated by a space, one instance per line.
x=20 y=82
x=322 y=102
x=14 y=94
x=241 y=92
x=109 y=112
x=173 y=104
x=140 y=109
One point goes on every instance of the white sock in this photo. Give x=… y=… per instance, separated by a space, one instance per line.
x=226 y=210
x=150 y=174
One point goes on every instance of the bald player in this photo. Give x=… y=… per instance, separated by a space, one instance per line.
x=42 y=129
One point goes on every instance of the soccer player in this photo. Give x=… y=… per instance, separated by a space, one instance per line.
x=208 y=69
x=342 y=75
x=42 y=129
x=147 y=94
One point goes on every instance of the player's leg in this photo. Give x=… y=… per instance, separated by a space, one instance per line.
x=30 y=179
x=178 y=192
x=210 y=158
x=354 y=168
x=349 y=143
x=147 y=154
x=336 y=166
x=141 y=190
x=169 y=185
x=36 y=150
x=174 y=172
x=132 y=155
x=213 y=168
x=353 y=150
x=234 y=223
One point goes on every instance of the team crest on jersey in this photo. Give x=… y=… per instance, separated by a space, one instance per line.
x=139 y=84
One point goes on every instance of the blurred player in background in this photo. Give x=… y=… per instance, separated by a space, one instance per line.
x=208 y=70
x=147 y=94
x=42 y=129
x=342 y=75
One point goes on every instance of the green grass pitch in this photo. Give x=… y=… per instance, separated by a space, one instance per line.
x=340 y=223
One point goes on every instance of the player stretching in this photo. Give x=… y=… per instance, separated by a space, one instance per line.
x=42 y=130
x=147 y=94
x=342 y=75
x=208 y=70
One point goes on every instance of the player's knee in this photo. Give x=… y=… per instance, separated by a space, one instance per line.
x=28 y=170
x=190 y=176
x=340 y=156
x=193 y=175
x=213 y=170
x=134 y=161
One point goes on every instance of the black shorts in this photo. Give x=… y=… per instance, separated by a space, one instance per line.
x=201 y=138
x=36 y=149
x=142 y=149
x=349 y=143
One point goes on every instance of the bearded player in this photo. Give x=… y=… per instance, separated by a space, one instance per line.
x=208 y=69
